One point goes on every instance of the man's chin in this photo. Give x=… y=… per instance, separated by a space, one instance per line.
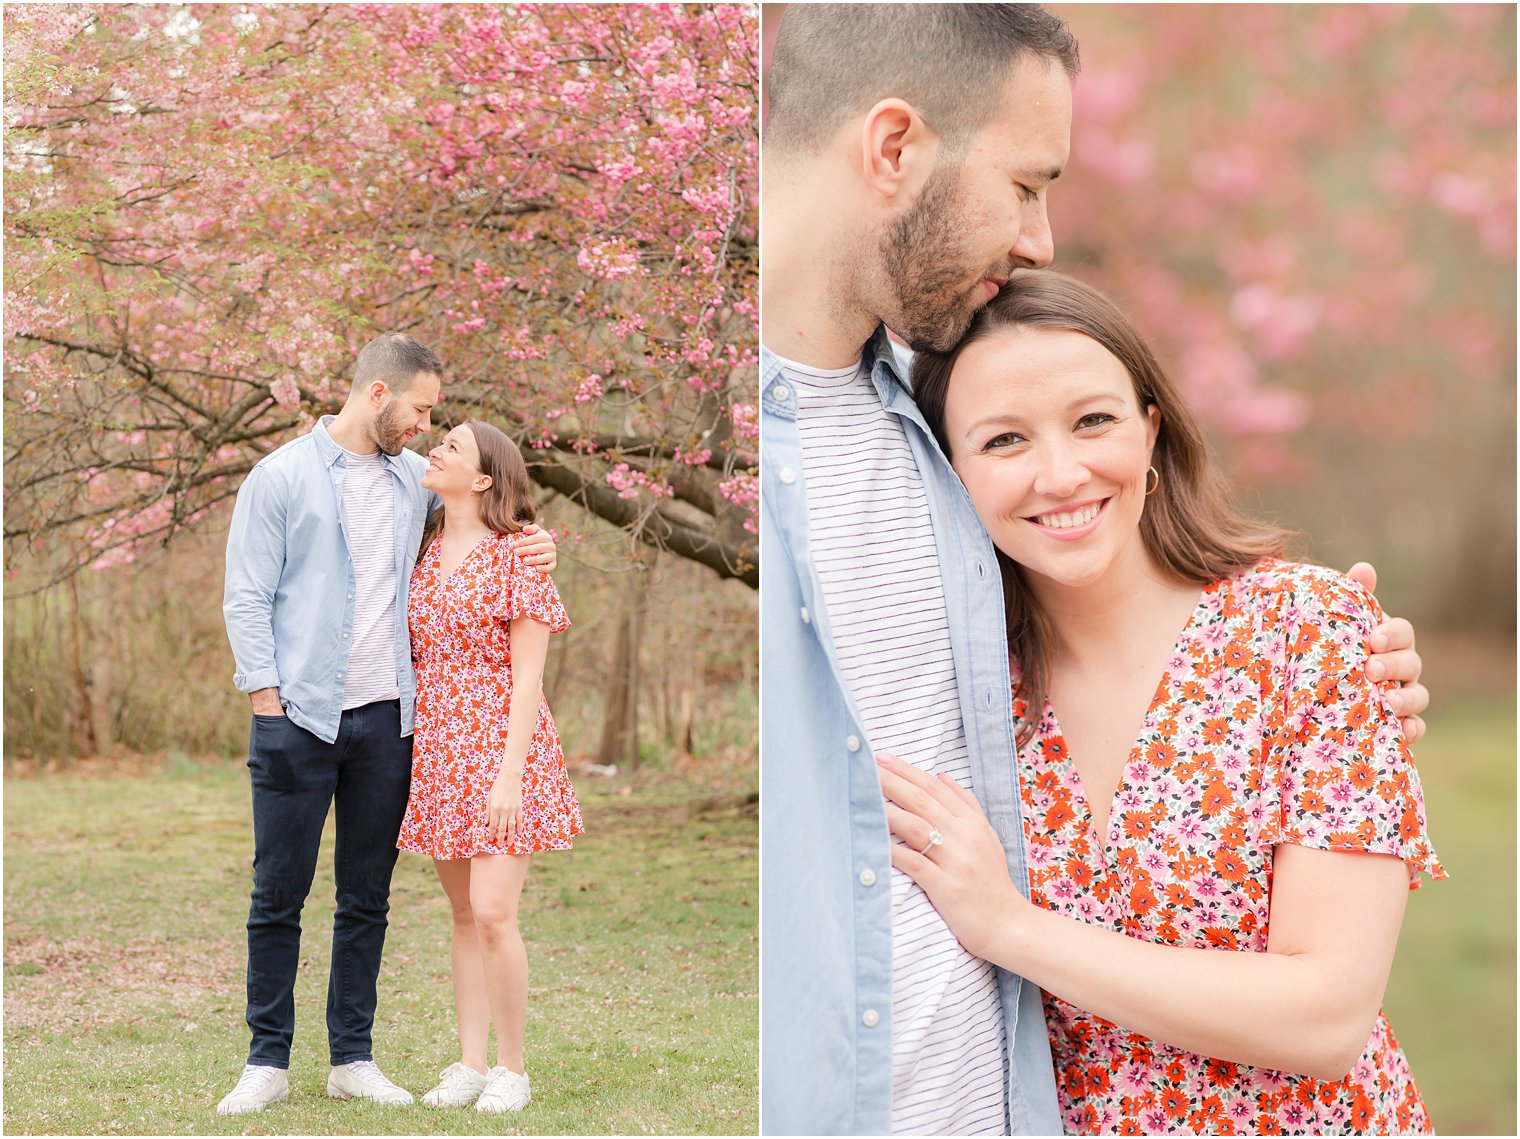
x=939 y=339
x=939 y=333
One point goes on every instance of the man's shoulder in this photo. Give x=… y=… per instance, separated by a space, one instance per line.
x=288 y=458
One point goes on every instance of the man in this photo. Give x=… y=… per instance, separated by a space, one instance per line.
x=323 y=538
x=909 y=151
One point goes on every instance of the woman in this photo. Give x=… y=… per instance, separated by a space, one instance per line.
x=1222 y=819
x=489 y=787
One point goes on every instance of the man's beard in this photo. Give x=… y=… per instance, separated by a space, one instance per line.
x=926 y=268
x=391 y=426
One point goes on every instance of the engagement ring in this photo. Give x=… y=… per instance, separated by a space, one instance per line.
x=935 y=839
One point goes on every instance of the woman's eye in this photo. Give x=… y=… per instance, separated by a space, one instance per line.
x=1006 y=439
x=1096 y=419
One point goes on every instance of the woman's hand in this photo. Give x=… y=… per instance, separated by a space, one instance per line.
x=504 y=806
x=1394 y=658
x=536 y=548
x=965 y=872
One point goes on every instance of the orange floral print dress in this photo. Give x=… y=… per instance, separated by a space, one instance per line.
x=1263 y=730
x=462 y=647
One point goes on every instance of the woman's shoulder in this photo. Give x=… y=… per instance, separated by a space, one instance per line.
x=1289 y=594
x=1273 y=580
x=504 y=546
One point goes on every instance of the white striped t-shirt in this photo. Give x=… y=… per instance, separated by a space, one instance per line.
x=369 y=517
x=873 y=548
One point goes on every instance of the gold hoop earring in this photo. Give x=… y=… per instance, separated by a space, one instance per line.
x=1150 y=487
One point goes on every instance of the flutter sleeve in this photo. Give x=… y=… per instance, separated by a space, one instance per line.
x=1339 y=775
x=526 y=592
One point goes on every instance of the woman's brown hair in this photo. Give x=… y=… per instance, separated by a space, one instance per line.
x=1189 y=526
x=507 y=504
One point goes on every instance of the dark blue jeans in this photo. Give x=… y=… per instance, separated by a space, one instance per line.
x=296 y=777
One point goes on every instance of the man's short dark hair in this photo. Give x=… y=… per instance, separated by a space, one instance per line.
x=831 y=62
x=395 y=359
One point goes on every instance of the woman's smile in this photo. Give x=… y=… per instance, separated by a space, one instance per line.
x=1069 y=523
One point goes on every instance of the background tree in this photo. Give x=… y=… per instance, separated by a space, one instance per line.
x=1311 y=212
x=209 y=208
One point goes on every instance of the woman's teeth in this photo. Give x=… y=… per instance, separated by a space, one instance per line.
x=1076 y=518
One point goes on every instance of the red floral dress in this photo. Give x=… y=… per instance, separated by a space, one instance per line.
x=462 y=647
x=1263 y=730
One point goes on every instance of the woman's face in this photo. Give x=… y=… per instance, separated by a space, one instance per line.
x=1048 y=435
x=454 y=465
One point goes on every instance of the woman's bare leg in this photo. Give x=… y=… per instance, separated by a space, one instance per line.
x=496 y=882
x=471 y=1005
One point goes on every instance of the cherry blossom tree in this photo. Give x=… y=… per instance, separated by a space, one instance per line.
x=1310 y=210
x=210 y=208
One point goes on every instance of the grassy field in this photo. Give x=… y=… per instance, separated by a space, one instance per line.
x=125 y=899
x=1452 y=995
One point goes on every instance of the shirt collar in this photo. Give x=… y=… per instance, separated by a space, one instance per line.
x=331 y=452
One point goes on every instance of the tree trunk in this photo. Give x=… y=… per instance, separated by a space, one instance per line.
x=620 y=722
x=79 y=715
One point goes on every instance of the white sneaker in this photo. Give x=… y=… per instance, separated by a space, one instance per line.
x=362 y=1080
x=459 y=1085
x=507 y=1091
x=257 y=1088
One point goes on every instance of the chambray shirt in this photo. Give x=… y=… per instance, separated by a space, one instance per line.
x=826 y=898
x=289 y=598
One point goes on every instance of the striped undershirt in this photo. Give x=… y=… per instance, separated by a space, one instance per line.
x=873 y=548
x=369 y=519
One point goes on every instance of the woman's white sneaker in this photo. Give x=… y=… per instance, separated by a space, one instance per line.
x=363 y=1080
x=257 y=1088
x=459 y=1085
x=507 y=1091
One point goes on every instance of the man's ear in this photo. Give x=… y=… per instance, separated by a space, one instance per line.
x=897 y=149
x=378 y=390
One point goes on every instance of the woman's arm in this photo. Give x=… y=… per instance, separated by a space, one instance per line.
x=530 y=649
x=1306 y=1005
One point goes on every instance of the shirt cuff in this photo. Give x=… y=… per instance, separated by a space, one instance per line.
x=258 y=678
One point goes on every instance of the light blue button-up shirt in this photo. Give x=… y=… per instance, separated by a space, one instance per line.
x=289 y=599
x=826 y=896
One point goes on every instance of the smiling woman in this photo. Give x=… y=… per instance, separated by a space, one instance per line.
x=1222 y=817
x=1138 y=436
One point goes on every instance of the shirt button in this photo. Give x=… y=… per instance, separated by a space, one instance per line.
x=780 y=391
x=345 y=636
x=852 y=742
x=806 y=618
x=787 y=475
x=350 y=596
x=868 y=877
x=340 y=676
x=870 y=1018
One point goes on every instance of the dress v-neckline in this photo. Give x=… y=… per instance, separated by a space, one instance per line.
x=1079 y=789
x=444 y=579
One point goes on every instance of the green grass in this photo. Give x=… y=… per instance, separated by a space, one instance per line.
x=125 y=899
x=1451 y=998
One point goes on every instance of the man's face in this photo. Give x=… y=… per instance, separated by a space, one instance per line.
x=975 y=222
x=407 y=413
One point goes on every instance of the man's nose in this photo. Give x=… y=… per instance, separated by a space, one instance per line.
x=1035 y=247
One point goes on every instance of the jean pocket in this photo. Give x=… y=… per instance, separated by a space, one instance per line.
x=271 y=740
